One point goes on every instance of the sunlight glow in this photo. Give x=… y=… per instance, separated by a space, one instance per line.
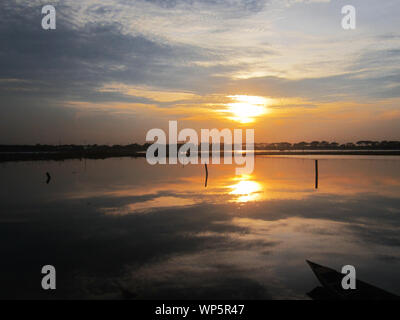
x=246 y=108
x=246 y=190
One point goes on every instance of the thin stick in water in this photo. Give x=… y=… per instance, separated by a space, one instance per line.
x=205 y=185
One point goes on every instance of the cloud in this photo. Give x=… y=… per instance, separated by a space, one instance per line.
x=193 y=49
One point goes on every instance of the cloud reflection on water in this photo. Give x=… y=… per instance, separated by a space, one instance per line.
x=162 y=237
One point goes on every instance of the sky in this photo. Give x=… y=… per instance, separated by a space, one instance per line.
x=114 y=69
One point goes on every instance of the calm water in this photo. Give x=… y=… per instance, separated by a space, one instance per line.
x=158 y=232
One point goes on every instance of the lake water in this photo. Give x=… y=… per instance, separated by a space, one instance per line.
x=159 y=233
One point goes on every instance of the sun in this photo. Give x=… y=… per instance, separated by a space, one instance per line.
x=245 y=109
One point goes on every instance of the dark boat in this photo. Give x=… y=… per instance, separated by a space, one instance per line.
x=331 y=289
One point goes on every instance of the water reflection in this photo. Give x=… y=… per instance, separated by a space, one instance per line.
x=156 y=231
x=246 y=189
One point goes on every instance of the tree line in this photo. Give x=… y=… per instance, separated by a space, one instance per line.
x=135 y=147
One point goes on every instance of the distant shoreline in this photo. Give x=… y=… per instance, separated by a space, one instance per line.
x=61 y=156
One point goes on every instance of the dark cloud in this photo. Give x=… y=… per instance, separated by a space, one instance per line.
x=240 y=6
x=42 y=70
x=68 y=61
x=355 y=86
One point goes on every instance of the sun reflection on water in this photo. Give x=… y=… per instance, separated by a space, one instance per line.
x=246 y=189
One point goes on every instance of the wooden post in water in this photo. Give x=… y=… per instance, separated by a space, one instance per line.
x=205 y=185
x=48 y=178
x=316 y=174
